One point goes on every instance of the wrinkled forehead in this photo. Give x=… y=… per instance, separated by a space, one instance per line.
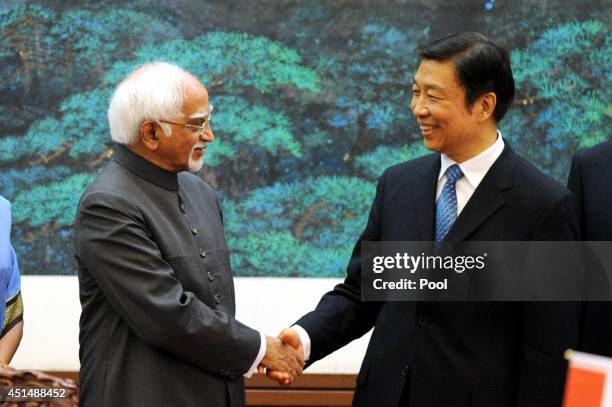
x=202 y=113
x=196 y=100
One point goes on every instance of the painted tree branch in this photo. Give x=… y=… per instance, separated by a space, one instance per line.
x=45 y=159
x=307 y=218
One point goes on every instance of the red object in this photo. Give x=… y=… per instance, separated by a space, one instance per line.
x=584 y=388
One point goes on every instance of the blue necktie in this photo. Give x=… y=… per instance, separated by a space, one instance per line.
x=446 y=207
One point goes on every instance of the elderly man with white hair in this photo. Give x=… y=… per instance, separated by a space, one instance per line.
x=157 y=325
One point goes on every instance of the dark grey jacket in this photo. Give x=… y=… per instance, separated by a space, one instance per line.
x=157 y=325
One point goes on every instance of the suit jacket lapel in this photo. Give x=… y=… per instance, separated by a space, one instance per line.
x=425 y=198
x=487 y=198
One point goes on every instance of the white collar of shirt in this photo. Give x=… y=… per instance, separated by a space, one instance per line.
x=476 y=167
x=474 y=170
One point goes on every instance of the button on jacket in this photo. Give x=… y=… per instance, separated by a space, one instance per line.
x=155 y=329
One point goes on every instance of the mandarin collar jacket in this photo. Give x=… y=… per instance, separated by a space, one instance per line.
x=157 y=326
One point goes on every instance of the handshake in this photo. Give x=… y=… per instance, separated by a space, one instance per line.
x=284 y=358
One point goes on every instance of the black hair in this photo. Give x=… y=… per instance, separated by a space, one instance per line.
x=482 y=66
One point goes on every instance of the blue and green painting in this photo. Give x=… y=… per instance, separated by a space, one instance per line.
x=311 y=101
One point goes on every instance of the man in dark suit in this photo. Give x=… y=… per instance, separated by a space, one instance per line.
x=443 y=354
x=591 y=180
x=157 y=325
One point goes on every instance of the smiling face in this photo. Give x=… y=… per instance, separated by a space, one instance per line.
x=184 y=149
x=438 y=103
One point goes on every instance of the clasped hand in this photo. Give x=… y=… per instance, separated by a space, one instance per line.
x=284 y=358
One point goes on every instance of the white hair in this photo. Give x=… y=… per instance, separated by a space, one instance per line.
x=153 y=91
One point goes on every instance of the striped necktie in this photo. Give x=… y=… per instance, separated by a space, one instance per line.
x=446 y=207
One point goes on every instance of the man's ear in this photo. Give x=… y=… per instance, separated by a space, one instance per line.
x=149 y=134
x=486 y=106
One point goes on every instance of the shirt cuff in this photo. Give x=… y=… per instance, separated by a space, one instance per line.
x=305 y=338
x=260 y=356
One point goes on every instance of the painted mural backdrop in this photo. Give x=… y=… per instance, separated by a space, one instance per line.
x=311 y=105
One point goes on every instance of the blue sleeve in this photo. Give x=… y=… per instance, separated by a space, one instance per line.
x=14 y=280
x=4 y=278
x=6 y=251
x=12 y=306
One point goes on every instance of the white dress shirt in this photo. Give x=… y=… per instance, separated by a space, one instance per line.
x=474 y=170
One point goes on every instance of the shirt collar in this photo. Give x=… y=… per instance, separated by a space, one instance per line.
x=145 y=169
x=476 y=167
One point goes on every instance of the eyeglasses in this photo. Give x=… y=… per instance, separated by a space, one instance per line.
x=201 y=124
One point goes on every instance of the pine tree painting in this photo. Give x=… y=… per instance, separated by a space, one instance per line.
x=311 y=105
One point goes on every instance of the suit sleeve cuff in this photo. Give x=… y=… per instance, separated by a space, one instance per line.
x=305 y=338
x=260 y=356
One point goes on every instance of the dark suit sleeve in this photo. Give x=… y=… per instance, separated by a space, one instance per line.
x=574 y=183
x=114 y=244
x=596 y=316
x=549 y=328
x=341 y=316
